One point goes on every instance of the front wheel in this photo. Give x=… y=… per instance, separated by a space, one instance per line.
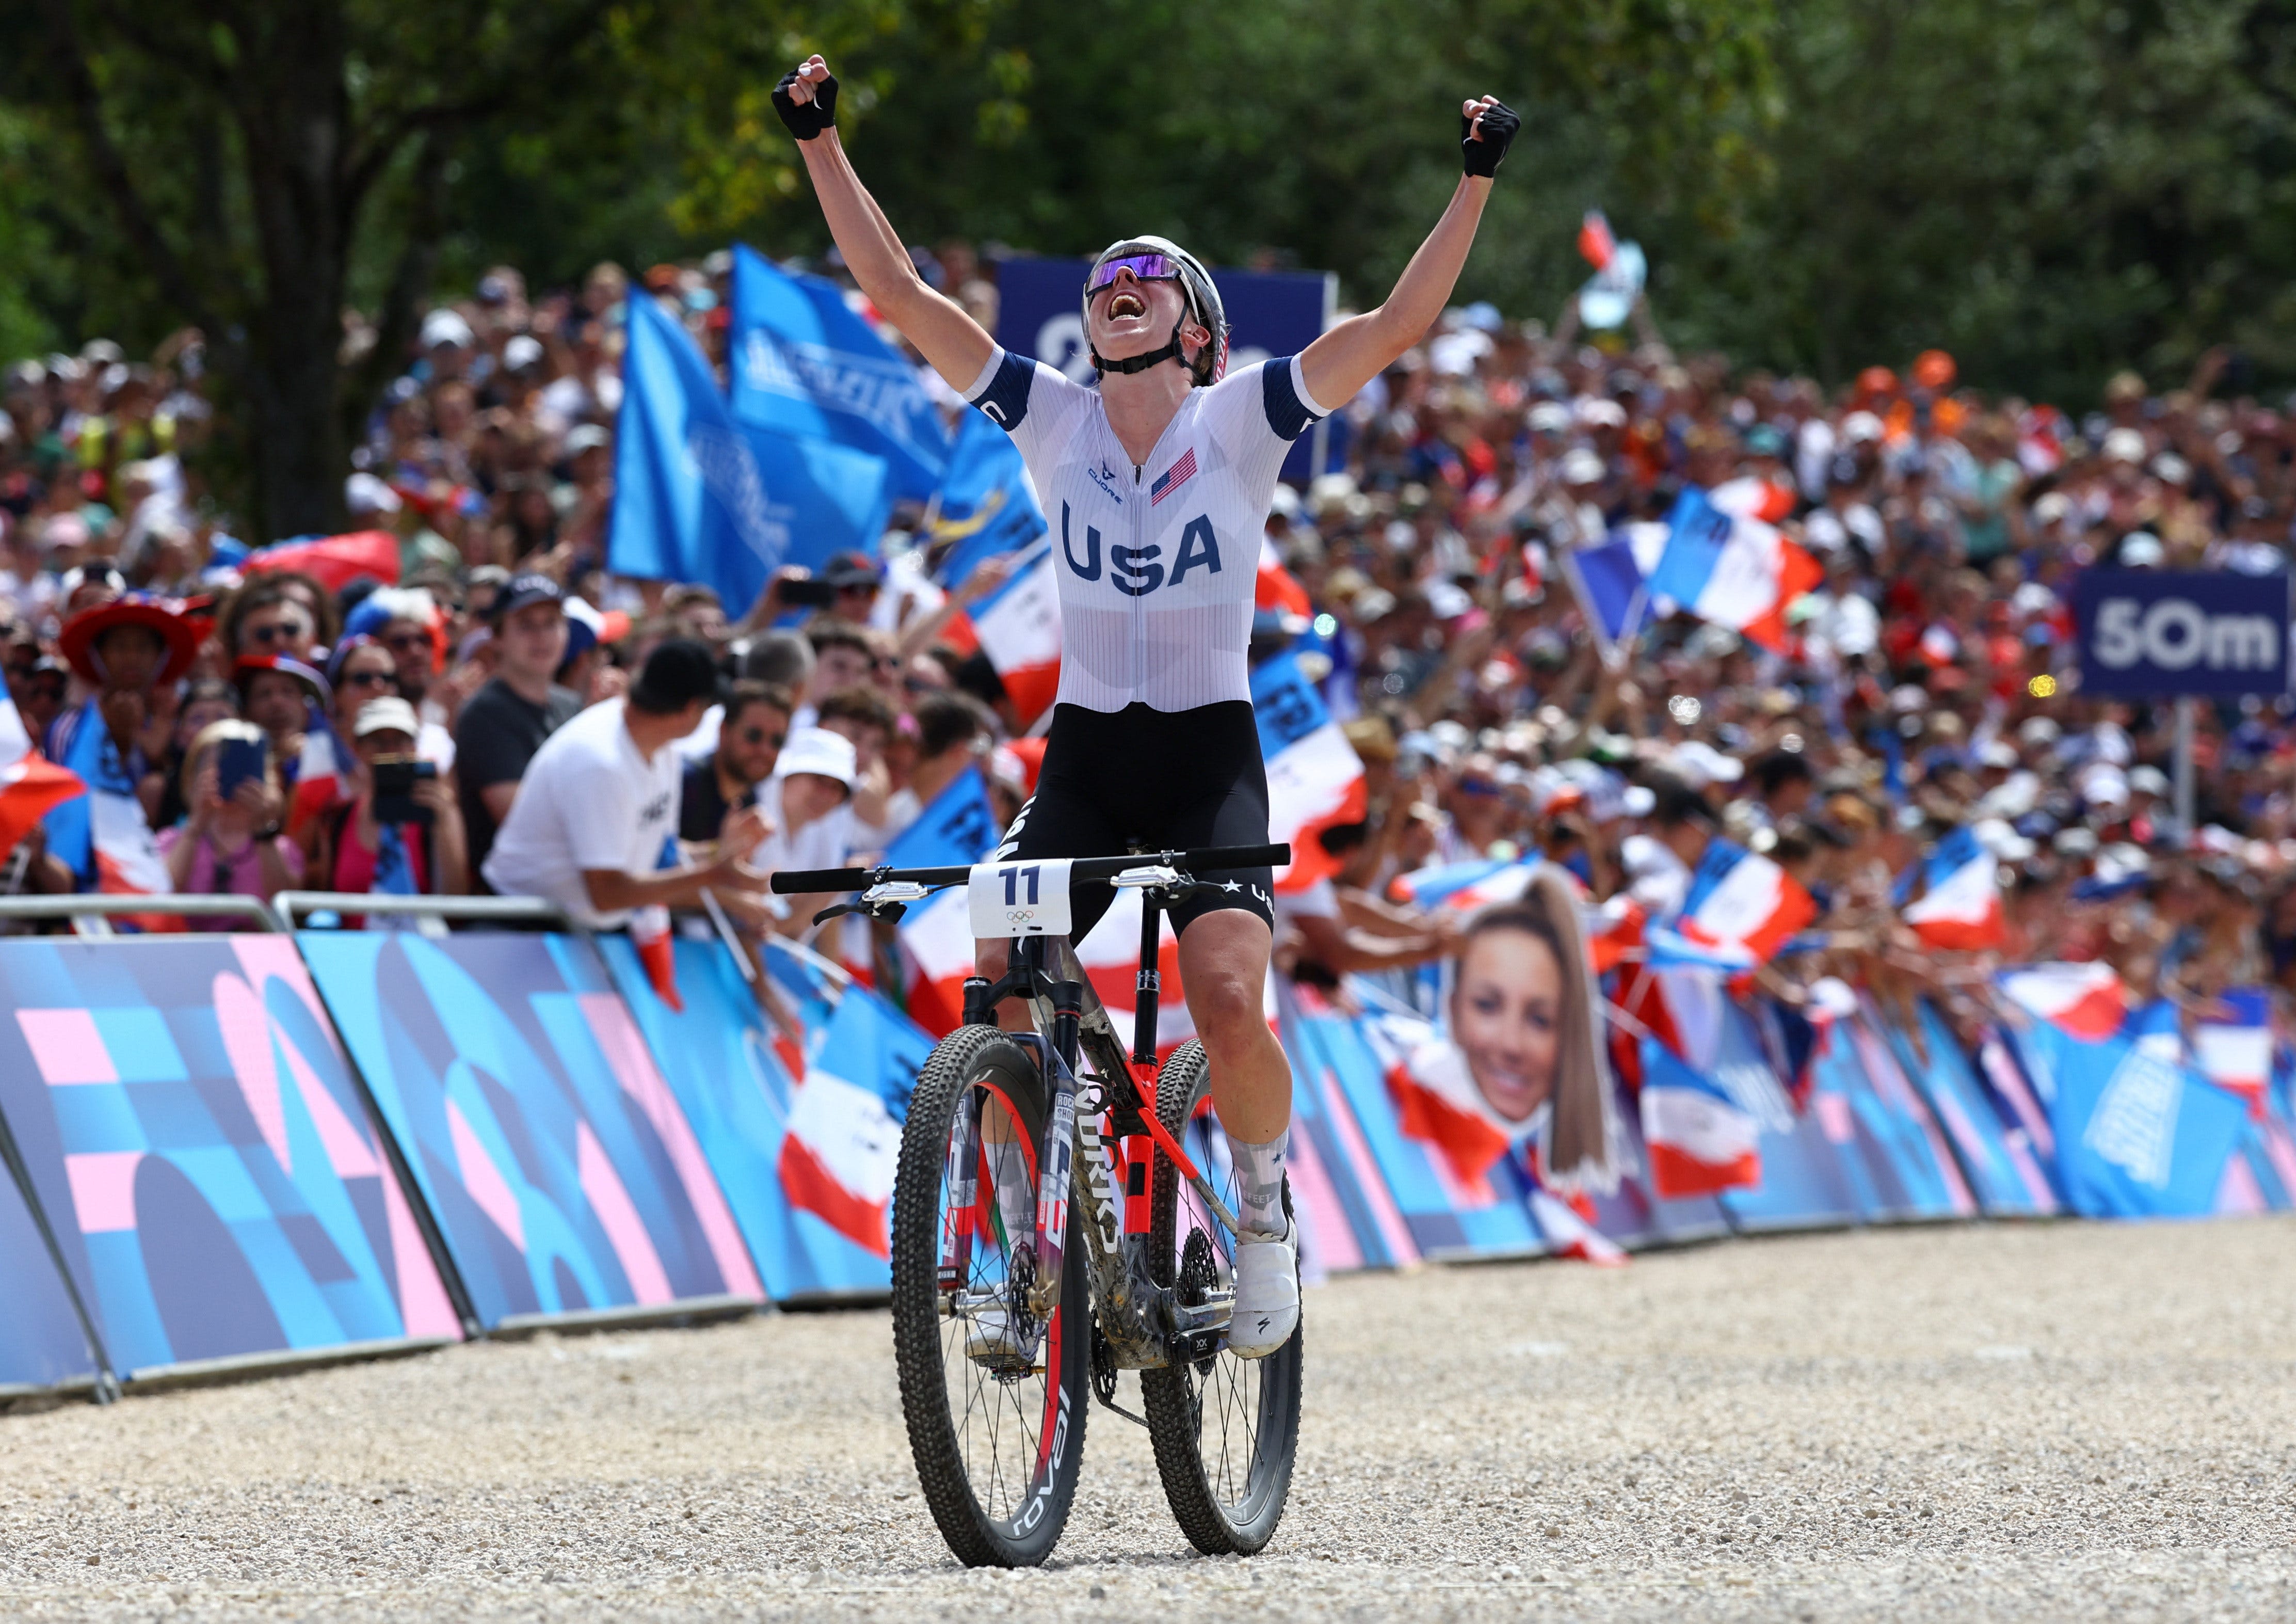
x=1224 y=1428
x=994 y=1400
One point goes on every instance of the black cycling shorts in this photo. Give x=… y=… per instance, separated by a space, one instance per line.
x=1141 y=779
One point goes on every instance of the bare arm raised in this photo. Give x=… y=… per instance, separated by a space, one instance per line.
x=943 y=333
x=1360 y=349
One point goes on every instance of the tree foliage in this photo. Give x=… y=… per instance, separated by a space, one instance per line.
x=2050 y=190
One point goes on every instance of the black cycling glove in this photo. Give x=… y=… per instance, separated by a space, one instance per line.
x=1482 y=156
x=806 y=120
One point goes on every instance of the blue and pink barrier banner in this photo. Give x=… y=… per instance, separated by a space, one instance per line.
x=188 y=1125
x=564 y=1175
x=799 y=1112
x=41 y=1342
x=240 y=1149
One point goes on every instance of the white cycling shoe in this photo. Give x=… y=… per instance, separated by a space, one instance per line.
x=1266 y=1309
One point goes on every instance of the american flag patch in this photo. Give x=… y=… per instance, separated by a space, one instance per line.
x=1178 y=474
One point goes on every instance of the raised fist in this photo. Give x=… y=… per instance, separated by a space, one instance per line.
x=807 y=99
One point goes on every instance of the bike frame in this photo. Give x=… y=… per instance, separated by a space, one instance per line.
x=1108 y=1172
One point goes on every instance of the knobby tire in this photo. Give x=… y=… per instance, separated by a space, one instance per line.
x=928 y=1359
x=1227 y=1488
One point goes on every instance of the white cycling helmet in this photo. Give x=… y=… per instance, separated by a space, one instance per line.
x=1196 y=285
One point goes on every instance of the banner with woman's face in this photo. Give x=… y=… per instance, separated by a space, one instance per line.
x=1490 y=1111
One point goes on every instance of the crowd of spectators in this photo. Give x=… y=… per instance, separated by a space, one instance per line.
x=376 y=739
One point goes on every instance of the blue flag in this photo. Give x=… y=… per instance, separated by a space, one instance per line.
x=1286 y=704
x=1608 y=582
x=986 y=505
x=699 y=497
x=803 y=362
x=2138 y=1133
x=958 y=828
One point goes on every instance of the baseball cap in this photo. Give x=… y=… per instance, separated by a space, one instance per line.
x=387 y=715
x=850 y=568
x=523 y=592
x=679 y=671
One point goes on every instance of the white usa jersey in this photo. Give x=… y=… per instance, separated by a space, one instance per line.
x=1157 y=563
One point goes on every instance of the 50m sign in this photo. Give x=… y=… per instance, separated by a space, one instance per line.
x=2147 y=634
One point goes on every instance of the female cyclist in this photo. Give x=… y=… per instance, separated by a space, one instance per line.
x=1161 y=478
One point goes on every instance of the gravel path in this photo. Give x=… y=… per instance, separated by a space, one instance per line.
x=2046 y=1423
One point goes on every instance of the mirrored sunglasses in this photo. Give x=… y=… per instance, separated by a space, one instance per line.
x=1147 y=267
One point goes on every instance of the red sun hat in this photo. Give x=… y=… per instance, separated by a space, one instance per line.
x=78 y=640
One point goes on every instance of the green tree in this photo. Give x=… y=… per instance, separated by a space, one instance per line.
x=2051 y=189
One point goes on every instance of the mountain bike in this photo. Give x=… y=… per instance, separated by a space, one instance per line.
x=1016 y=1146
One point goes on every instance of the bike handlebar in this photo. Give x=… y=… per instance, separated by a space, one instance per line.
x=807 y=881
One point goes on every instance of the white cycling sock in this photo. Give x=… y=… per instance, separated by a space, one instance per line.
x=1016 y=1199
x=1259 y=1181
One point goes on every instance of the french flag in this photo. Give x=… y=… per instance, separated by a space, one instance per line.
x=1756 y=908
x=1019 y=629
x=838 y=1159
x=1752 y=496
x=841 y=1145
x=1571 y=1234
x=1111 y=959
x=1734 y=570
x=2234 y=1049
x=30 y=784
x=1961 y=910
x=1701 y=1140
x=1476 y=883
x=2086 y=1002
x=1314 y=778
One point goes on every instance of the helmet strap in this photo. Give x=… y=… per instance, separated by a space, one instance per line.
x=1154 y=357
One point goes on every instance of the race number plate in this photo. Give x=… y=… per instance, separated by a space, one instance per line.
x=1020 y=899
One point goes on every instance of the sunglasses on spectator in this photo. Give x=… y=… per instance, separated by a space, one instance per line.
x=1482 y=787
x=369 y=679
x=758 y=735
x=277 y=631
x=407 y=641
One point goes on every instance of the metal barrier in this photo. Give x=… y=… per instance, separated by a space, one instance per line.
x=91 y=913
x=429 y=914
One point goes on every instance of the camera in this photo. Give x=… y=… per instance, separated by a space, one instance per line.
x=395 y=778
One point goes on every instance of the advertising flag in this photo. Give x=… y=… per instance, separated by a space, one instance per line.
x=805 y=364
x=699 y=497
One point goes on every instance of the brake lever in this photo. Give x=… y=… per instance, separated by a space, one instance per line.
x=890 y=912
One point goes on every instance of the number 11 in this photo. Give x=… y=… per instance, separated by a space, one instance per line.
x=1012 y=884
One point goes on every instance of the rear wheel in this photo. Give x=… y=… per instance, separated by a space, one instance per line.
x=994 y=1405
x=1224 y=1428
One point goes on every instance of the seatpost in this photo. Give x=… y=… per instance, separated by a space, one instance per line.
x=1150 y=983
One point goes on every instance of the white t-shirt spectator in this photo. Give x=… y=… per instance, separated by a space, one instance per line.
x=588 y=801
